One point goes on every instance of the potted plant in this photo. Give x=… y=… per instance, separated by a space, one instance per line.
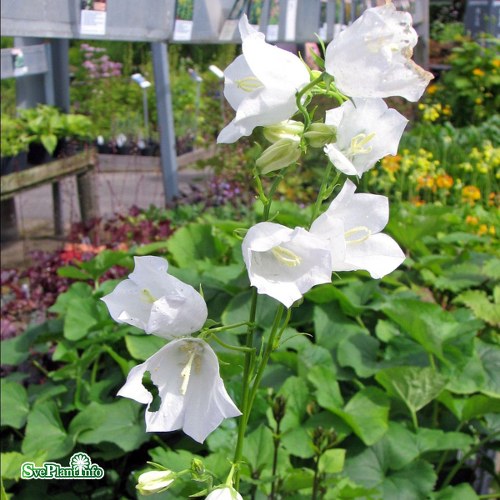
x=14 y=145
x=47 y=128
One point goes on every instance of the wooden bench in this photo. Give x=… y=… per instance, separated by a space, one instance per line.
x=80 y=165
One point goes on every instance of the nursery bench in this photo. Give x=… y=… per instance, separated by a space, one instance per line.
x=81 y=165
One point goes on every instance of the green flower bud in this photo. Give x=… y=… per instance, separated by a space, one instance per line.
x=289 y=129
x=320 y=134
x=279 y=155
x=197 y=467
x=155 y=481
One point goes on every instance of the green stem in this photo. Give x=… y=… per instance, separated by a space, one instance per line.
x=459 y=464
x=270 y=346
x=298 y=100
x=233 y=347
x=444 y=456
x=321 y=194
x=224 y=328
x=274 y=186
x=247 y=368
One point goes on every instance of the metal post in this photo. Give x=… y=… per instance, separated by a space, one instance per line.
x=146 y=113
x=165 y=120
x=30 y=89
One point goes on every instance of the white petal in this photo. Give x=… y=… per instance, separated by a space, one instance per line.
x=285 y=263
x=198 y=404
x=379 y=255
x=339 y=161
x=225 y=493
x=380 y=42
x=156 y=302
x=367 y=130
x=127 y=304
x=361 y=209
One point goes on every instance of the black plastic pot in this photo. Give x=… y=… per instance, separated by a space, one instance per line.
x=11 y=164
x=37 y=154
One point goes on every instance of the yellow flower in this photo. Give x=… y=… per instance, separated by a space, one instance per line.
x=478 y=100
x=495 y=63
x=391 y=163
x=471 y=194
x=472 y=220
x=432 y=89
x=478 y=72
x=444 y=181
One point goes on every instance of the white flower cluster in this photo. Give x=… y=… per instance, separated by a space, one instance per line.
x=368 y=61
x=266 y=86
x=186 y=370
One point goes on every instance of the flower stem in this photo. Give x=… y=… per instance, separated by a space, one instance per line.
x=247 y=368
x=322 y=191
x=233 y=347
x=302 y=93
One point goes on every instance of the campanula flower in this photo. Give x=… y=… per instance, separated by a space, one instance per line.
x=285 y=263
x=260 y=84
x=157 y=302
x=192 y=393
x=367 y=130
x=355 y=221
x=372 y=56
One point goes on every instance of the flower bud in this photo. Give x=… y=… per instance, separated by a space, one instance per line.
x=288 y=129
x=320 y=134
x=279 y=155
x=155 y=481
x=197 y=467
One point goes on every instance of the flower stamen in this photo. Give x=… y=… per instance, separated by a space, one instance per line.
x=249 y=84
x=147 y=296
x=359 y=144
x=186 y=371
x=362 y=233
x=285 y=256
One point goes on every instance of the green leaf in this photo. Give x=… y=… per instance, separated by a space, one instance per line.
x=49 y=142
x=373 y=470
x=367 y=413
x=75 y=291
x=438 y=440
x=81 y=316
x=11 y=463
x=415 y=386
x=193 y=243
x=483 y=308
x=15 y=407
x=461 y=491
x=490 y=359
x=327 y=388
x=258 y=448
x=425 y=322
x=45 y=433
x=359 y=351
x=142 y=347
x=331 y=325
x=73 y=273
x=120 y=423
x=332 y=461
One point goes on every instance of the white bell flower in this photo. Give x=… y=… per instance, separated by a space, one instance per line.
x=156 y=302
x=260 y=84
x=193 y=396
x=367 y=130
x=285 y=263
x=371 y=57
x=355 y=221
x=225 y=493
